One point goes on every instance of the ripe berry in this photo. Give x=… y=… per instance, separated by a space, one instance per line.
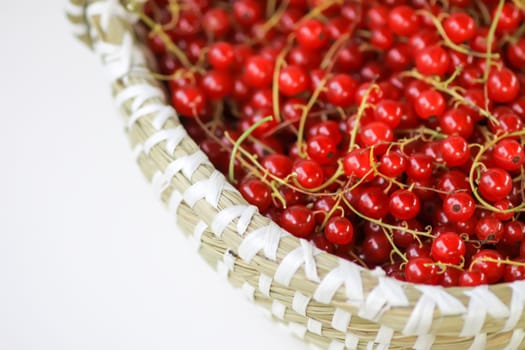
x=189 y=101
x=322 y=149
x=472 y=278
x=493 y=270
x=455 y=150
x=502 y=85
x=311 y=34
x=433 y=60
x=403 y=20
x=430 y=103
x=459 y=206
x=392 y=164
x=489 y=229
x=309 y=173
x=459 y=27
x=340 y=90
x=508 y=154
x=257 y=193
x=373 y=202
x=339 y=230
x=293 y=80
x=495 y=184
x=448 y=248
x=247 y=12
x=258 y=72
x=357 y=163
x=298 y=220
x=421 y=270
x=404 y=204
x=221 y=55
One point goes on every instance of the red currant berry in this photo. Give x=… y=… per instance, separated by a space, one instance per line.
x=403 y=20
x=508 y=154
x=311 y=34
x=487 y=262
x=489 y=229
x=502 y=85
x=459 y=27
x=221 y=55
x=339 y=230
x=247 y=12
x=340 y=90
x=393 y=164
x=373 y=202
x=356 y=163
x=404 y=204
x=322 y=149
x=495 y=184
x=459 y=206
x=515 y=270
x=433 y=60
x=189 y=101
x=293 y=80
x=298 y=220
x=420 y=167
x=455 y=150
x=472 y=279
x=257 y=193
x=430 y=103
x=448 y=248
x=258 y=72
x=308 y=173
x=422 y=270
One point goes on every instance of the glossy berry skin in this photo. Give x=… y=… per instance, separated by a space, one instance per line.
x=339 y=230
x=373 y=202
x=489 y=229
x=459 y=27
x=430 y=103
x=495 y=184
x=293 y=80
x=459 y=206
x=189 y=101
x=247 y=12
x=502 y=85
x=393 y=164
x=217 y=84
x=389 y=112
x=422 y=270
x=309 y=173
x=311 y=34
x=448 y=248
x=493 y=270
x=357 y=163
x=515 y=272
x=514 y=232
x=472 y=279
x=221 y=55
x=456 y=122
x=404 y=204
x=516 y=53
x=419 y=167
x=455 y=150
x=340 y=90
x=376 y=248
x=216 y=22
x=298 y=220
x=257 y=193
x=403 y=20
x=433 y=60
x=322 y=149
x=377 y=134
x=278 y=165
x=258 y=72
x=509 y=155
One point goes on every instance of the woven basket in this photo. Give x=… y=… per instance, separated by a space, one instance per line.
x=327 y=301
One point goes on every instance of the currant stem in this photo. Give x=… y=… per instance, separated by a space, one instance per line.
x=237 y=144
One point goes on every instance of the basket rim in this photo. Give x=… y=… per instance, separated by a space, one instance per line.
x=442 y=298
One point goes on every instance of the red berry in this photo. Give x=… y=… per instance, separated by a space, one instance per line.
x=495 y=184
x=247 y=12
x=357 y=163
x=487 y=262
x=448 y=248
x=322 y=149
x=293 y=80
x=257 y=193
x=455 y=150
x=189 y=101
x=472 y=279
x=489 y=229
x=221 y=55
x=216 y=22
x=422 y=270
x=373 y=202
x=430 y=103
x=515 y=271
x=459 y=206
x=309 y=173
x=258 y=72
x=392 y=164
x=502 y=85
x=509 y=155
x=311 y=34
x=433 y=60
x=404 y=204
x=298 y=220
x=459 y=27
x=403 y=20
x=340 y=90
x=339 y=230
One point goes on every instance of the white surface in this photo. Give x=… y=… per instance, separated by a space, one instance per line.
x=89 y=259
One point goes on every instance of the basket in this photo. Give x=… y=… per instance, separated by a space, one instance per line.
x=327 y=301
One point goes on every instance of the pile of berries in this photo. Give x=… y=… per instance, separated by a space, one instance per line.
x=389 y=133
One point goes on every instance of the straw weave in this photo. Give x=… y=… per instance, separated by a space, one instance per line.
x=329 y=302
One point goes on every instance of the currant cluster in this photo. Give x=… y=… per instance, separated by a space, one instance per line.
x=389 y=133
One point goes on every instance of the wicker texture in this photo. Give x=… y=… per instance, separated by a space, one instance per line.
x=327 y=301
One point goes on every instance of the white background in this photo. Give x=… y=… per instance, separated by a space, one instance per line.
x=89 y=258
